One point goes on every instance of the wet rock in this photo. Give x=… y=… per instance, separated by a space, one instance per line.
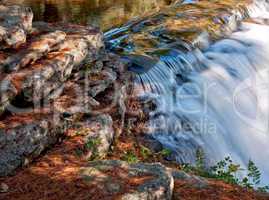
x=193 y=23
x=152 y=143
x=129 y=181
x=15 y=22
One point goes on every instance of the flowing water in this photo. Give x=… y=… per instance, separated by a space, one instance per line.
x=207 y=73
x=215 y=99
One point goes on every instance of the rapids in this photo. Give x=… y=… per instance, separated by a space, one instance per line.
x=216 y=98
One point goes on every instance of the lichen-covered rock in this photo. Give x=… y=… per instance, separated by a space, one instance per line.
x=23 y=137
x=68 y=100
x=46 y=60
x=15 y=22
x=93 y=36
x=37 y=49
x=56 y=66
x=55 y=79
x=196 y=181
x=98 y=86
x=124 y=181
x=98 y=135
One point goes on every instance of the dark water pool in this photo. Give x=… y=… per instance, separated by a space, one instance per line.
x=102 y=13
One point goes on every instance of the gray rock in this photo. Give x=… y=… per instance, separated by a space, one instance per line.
x=15 y=22
x=152 y=144
x=24 y=137
x=39 y=79
x=196 y=181
x=98 y=86
x=99 y=135
x=155 y=181
x=37 y=49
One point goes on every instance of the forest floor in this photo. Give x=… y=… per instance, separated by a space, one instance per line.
x=55 y=175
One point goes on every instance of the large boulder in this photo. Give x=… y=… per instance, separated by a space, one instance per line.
x=124 y=181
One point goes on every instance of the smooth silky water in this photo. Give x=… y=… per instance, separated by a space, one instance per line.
x=215 y=99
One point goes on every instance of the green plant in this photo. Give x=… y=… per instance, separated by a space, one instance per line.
x=130 y=157
x=91 y=145
x=254 y=173
x=188 y=168
x=145 y=152
x=263 y=189
x=226 y=171
x=200 y=160
x=166 y=152
x=78 y=152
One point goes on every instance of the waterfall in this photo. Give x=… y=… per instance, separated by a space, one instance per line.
x=215 y=99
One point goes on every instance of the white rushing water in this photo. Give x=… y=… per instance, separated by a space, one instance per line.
x=216 y=99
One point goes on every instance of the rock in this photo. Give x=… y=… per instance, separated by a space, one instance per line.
x=196 y=181
x=129 y=182
x=101 y=84
x=37 y=49
x=25 y=136
x=193 y=24
x=93 y=36
x=39 y=79
x=46 y=87
x=3 y=188
x=15 y=22
x=46 y=60
x=99 y=135
x=72 y=99
x=153 y=144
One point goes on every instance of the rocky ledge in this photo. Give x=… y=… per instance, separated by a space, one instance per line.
x=53 y=77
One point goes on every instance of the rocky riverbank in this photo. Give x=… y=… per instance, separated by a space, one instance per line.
x=52 y=76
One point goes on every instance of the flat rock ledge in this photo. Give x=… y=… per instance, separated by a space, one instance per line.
x=54 y=77
x=124 y=181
